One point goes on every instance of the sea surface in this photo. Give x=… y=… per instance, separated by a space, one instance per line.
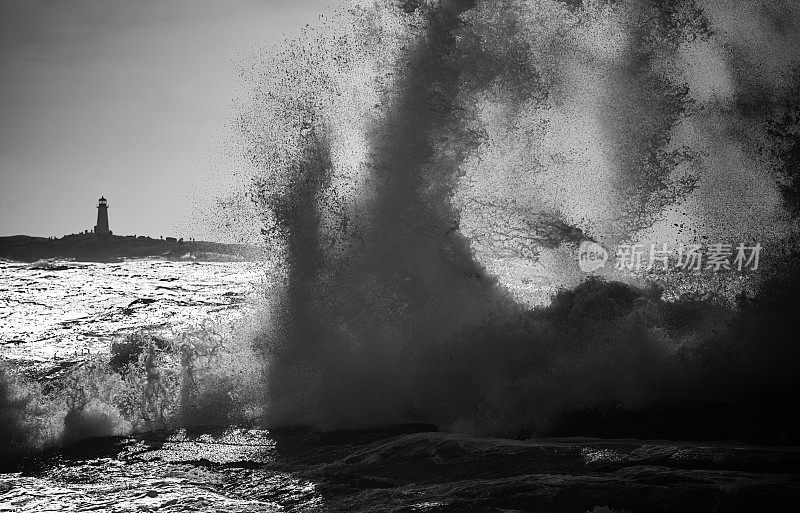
x=57 y=314
x=56 y=310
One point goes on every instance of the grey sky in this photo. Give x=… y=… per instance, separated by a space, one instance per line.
x=120 y=98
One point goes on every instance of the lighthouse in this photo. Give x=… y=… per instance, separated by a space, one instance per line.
x=101 y=228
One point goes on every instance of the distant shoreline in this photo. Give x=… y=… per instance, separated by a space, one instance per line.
x=89 y=248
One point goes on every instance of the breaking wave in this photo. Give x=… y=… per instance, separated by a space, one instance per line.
x=398 y=150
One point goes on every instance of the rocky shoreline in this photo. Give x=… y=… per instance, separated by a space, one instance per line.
x=90 y=248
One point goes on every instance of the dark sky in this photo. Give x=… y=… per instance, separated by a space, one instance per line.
x=126 y=99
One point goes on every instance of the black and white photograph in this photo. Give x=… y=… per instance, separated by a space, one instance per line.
x=486 y=256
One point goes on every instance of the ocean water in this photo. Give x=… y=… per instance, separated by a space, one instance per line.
x=391 y=156
x=52 y=311
x=237 y=470
x=407 y=467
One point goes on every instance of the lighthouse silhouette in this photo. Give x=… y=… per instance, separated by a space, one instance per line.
x=101 y=228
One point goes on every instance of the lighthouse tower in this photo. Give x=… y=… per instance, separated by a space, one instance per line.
x=101 y=229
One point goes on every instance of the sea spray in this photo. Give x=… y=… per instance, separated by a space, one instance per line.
x=365 y=308
x=147 y=382
x=26 y=422
x=402 y=147
x=369 y=139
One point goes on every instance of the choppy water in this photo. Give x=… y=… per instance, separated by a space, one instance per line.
x=56 y=310
x=397 y=470
x=389 y=154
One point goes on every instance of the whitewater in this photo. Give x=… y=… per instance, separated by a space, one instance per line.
x=422 y=338
x=114 y=445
